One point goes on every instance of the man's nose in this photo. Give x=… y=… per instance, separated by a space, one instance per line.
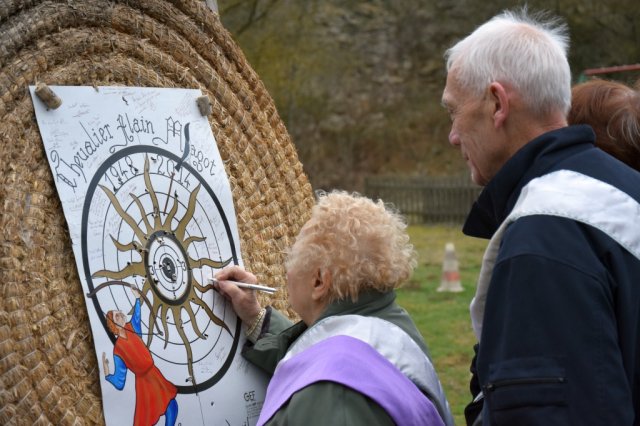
x=454 y=139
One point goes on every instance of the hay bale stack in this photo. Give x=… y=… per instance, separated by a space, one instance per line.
x=48 y=368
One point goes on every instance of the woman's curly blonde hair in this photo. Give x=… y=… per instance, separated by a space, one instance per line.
x=362 y=243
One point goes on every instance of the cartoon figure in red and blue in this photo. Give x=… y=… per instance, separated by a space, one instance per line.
x=155 y=395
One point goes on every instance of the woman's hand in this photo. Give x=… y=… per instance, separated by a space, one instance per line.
x=244 y=301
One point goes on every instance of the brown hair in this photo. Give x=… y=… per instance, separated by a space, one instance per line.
x=612 y=109
x=111 y=324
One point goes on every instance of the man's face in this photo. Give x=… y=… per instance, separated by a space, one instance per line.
x=119 y=318
x=473 y=131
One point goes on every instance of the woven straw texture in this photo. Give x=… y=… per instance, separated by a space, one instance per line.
x=48 y=367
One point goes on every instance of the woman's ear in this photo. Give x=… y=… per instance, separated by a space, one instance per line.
x=322 y=285
x=500 y=101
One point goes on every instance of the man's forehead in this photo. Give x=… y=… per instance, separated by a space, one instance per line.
x=450 y=89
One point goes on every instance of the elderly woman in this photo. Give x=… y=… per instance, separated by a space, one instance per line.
x=356 y=358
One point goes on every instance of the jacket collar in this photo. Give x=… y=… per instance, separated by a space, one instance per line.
x=368 y=303
x=534 y=159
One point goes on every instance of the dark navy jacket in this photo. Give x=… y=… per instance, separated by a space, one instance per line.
x=561 y=331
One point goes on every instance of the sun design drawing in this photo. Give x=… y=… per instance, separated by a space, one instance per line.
x=166 y=264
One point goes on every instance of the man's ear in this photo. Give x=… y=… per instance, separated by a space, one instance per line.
x=500 y=101
x=322 y=285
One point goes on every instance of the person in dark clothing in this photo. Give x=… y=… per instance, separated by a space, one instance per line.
x=612 y=109
x=557 y=306
x=356 y=357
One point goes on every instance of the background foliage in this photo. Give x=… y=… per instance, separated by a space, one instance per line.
x=358 y=83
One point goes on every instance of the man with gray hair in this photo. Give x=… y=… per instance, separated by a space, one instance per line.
x=557 y=306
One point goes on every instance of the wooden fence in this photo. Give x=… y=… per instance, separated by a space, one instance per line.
x=426 y=199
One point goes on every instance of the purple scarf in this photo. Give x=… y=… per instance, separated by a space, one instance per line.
x=352 y=363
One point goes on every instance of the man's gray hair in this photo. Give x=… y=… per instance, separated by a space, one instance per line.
x=529 y=52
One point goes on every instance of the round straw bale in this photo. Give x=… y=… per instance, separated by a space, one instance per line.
x=48 y=368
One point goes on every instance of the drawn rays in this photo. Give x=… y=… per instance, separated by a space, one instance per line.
x=165 y=265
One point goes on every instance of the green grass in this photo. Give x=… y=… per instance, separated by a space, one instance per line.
x=443 y=317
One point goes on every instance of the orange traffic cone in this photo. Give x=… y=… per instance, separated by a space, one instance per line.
x=450 y=271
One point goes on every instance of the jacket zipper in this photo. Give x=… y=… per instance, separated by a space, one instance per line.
x=489 y=387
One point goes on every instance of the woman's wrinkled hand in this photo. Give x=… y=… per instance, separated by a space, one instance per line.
x=244 y=301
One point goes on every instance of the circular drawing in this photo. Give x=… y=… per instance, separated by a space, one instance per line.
x=151 y=222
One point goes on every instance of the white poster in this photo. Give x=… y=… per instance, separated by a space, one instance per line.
x=151 y=218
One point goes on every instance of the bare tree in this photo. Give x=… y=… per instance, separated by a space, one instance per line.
x=256 y=10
